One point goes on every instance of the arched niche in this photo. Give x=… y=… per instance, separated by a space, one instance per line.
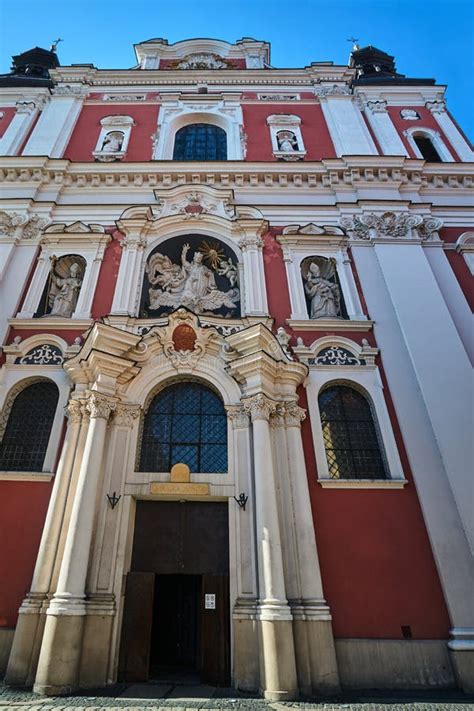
x=323 y=292
x=191 y=270
x=63 y=285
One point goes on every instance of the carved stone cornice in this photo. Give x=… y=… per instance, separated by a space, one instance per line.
x=100 y=406
x=294 y=414
x=78 y=90
x=125 y=414
x=259 y=407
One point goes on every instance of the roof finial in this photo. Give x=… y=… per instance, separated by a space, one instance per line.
x=55 y=44
x=355 y=46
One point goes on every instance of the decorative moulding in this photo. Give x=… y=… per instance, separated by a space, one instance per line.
x=26 y=476
x=333 y=351
x=331 y=325
x=51 y=323
x=392 y=225
x=363 y=483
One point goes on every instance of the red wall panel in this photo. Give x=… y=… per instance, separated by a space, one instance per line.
x=8 y=114
x=427 y=120
x=86 y=132
x=23 y=507
x=104 y=293
x=376 y=562
x=315 y=133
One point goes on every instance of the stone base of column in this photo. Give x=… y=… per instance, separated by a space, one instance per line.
x=246 y=657
x=96 y=641
x=23 y=660
x=60 y=656
x=278 y=680
x=315 y=648
x=463 y=663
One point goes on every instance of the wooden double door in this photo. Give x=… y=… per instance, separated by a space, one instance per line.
x=176 y=611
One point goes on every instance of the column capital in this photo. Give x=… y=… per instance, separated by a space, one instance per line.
x=74 y=411
x=277 y=418
x=259 y=407
x=436 y=107
x=99 y=405
x=294 y=414
x=250 y=242
x=125 y=414
x=238 y=416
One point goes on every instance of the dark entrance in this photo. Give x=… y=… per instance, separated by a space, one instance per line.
x=176 y=612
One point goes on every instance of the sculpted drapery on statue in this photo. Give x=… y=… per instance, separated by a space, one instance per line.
x=321 y=288
x=192 y=282
x=64 y=285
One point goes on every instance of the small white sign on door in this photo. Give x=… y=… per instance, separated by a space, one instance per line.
x=209 y=601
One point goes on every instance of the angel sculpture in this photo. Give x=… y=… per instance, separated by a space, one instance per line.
x=189 y=284
x=228 y=269
x=323 y=293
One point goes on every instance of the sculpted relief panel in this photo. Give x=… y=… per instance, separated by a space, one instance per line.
x=192 y=271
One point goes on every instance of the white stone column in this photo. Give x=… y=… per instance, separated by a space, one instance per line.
x=450 y=130
x=453 y=295
x=345 y=122
x=278 y=667
x=254 y=275
x=58 y=666
x=17 y=131
x=53 y=130
x=127 y=288
x=35 y=290
x=384 y=129
x=441 y=514
x=245 y=634
x=299 y=310
x=314 y=610
x=22 y=655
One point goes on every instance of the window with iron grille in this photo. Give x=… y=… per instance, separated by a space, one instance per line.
x=25 y=440
x=185 y=423
x=351 y=441
x=200 y=141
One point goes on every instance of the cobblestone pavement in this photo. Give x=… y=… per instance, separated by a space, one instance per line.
x=119 y=698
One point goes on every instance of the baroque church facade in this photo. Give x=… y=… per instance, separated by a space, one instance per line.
x=236 y=337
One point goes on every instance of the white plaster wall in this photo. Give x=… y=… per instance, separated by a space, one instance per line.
x=11 y=286
x=348 y=131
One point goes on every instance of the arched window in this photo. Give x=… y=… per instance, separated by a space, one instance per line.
x=200 y=141
x=26 y=436
x=187 y=423
x=427 y=149
x=351 y=441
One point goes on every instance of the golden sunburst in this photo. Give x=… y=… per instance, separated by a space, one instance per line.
x=212 y=253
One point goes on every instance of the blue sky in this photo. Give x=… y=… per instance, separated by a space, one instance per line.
x=429 y=38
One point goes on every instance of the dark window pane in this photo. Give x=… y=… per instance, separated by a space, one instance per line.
x=26 y=436
x=350 y=437
x=427 y=149
x=193 y=430
x=200 y=141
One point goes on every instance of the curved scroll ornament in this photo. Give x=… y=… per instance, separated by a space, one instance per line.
x=46 y=354
x=391 y=225
x=193 y=282
x=335 y=355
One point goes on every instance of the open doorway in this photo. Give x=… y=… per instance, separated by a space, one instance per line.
x=176 y=614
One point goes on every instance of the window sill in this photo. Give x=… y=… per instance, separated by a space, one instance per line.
x=289 y=156
x=26 y=476
x=108 y=157
x=363 y=483
x=329 y=324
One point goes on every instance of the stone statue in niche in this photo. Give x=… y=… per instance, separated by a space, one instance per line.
x=287 y=142
x=192 y=283
x=64 y=290
x=113 y=142
x=321 y=289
